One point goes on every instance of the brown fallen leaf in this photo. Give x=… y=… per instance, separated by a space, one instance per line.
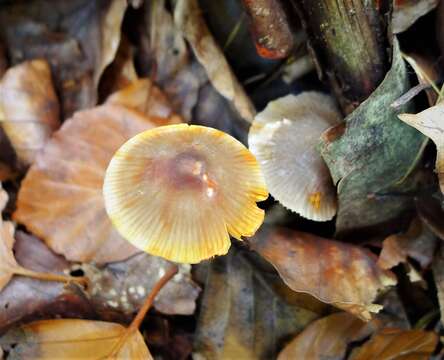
x=429 y=122
x=430 y=212
x=188 y=18
x=164 y=57
x=327 y=338
x=121 y=72
x=418 y=243
x=30 y=108
x=337 y=273
x=120 y=287
x=8 y=264
x=163 y=47
x=76 y=339
x=391 y=344
x=26 y=299
x=242 y=305
x=61 y=200
x=145 y=97
x=114 y=293
x=78 y=38
x=438 y=276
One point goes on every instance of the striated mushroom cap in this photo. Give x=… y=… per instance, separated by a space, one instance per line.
x=283 y=138
x=178 y=191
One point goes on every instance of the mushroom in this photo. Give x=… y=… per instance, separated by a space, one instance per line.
x=178 y=191
x=283 y=137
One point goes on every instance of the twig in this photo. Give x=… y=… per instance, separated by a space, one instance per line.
x=19 y=270
x=134 y=326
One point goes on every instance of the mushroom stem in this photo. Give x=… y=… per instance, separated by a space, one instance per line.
x=143 y=310
x=19 y=270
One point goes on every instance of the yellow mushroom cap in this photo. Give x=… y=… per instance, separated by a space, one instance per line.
x=284 y=137
x=178 y=191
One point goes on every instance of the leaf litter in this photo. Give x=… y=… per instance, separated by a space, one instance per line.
x=79 y=81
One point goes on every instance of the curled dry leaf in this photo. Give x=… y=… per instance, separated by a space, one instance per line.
x=79 y=38
x=61 y=200
x=109 y=37
x=431 y=213
x=7 y=261
x=188 y=18
x=242 y=305
x=76 y=339
x=406 y=12
x=28 y=299
x=389 y=344
x=438 y=275
x=284 y=137
x=30 y=107
x=121 y=287
x=121 y=72
x=418 y=243
x=337 y=273
x=327 y=338
x=145 y=97
x=164 y=48
x=429 y=122
x=178 y=191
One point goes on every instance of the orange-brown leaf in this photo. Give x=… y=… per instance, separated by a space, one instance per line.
x=30 y=107
x=418 y=242
x=7 y=260
x=327 y=338
x=61 y=200
x=74 y=339
x=337 y=273
x=145 y=97
x=391 y=344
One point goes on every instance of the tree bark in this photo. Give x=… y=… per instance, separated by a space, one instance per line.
x=349 y=45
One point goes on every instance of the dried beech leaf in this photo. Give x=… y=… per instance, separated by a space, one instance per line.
x=121 y=72
x=429 y=122
x=418 y=243
x=337 y=273
x=30 y=107
x=109 y=37
x=121 y=287
x=27 y=299
x=165 y=58
x=438 y=275
x=145 y=97
x=247 y=312
x=188 y=18
x=7 y=260
x=79 y=38
x=390 y=344
x=327 y=338
x=164 y=48
x=73 y=339
x=61 y=200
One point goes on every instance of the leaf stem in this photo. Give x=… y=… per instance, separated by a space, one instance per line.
x=19 y=270
x=134 y=326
